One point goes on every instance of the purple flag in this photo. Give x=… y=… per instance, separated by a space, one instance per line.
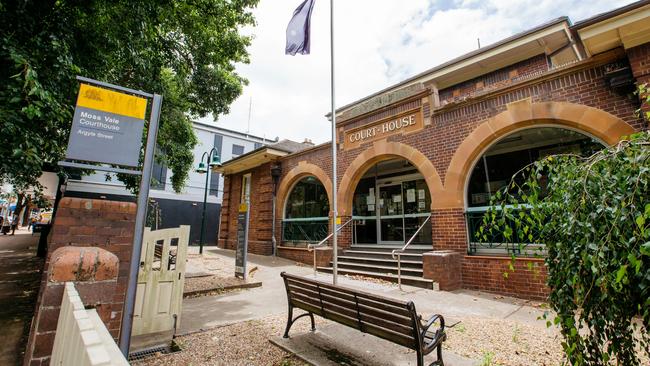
x=298 y=29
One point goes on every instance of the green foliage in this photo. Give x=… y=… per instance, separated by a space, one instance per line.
x=487 y=359
x=185 y=50
x=593 y=216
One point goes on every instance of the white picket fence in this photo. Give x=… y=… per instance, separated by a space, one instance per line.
x=81 y=337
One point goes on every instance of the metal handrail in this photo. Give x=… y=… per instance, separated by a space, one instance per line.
x=311 y=247
x=399 y=252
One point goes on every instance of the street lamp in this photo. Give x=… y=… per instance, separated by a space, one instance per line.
x=213 y=160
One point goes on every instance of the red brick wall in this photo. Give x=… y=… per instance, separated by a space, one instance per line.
x=108 y=225
x=259 y=231
x=487 y=274
x=494 y=80
x=447 y=127
x=639 y=58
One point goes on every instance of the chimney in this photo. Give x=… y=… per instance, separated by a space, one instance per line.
x=308 y=142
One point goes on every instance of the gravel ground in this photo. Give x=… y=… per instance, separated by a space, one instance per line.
x=224 y=345
x=210 y=283
x=210 y=264
x=504 y=342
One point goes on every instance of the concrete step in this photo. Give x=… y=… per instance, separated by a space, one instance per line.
x=381 y=261
x=406 y=271
x=389 y=248
x=406 y=280
x=407 y=256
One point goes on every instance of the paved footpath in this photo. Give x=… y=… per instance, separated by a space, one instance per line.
x=333 y=343
x=19 y=282
x=270 y=299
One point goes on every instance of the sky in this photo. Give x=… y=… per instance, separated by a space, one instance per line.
x=377 y=43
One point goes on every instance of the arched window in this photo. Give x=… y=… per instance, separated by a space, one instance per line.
x=495 y=168
x=306 y=212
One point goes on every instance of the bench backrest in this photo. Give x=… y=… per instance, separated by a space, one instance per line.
x=386 y=318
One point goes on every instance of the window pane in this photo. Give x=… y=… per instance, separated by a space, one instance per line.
x=495 y=168
x=307 y=199
x=237 y=149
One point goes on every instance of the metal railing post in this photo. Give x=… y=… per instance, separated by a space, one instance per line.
x=399 y=252
x=311 y=247
x=399 y=271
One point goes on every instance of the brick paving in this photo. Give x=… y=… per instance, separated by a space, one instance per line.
x=19 y=281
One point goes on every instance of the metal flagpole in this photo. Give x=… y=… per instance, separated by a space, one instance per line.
x=334 y=210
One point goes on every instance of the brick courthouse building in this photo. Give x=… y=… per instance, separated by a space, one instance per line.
x=439 y=145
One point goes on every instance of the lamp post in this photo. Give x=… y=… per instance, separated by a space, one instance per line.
x=213 y=160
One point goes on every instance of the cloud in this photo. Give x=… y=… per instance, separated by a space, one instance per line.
x=378 y=43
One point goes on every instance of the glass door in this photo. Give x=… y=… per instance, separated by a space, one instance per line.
x=417 y=204
x=391 y=214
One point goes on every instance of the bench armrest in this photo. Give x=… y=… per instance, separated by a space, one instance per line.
x=436 y=338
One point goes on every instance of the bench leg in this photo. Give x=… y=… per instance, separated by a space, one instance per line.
x=438 y=361
x=420 y=357
x=291 y=320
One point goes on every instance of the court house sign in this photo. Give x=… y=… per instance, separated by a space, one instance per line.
x=403 y=123
x=107 y=127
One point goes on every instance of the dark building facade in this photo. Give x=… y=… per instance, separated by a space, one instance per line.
x=430 y=152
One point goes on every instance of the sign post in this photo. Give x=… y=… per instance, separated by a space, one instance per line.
x=107 y=128
x=241 y=253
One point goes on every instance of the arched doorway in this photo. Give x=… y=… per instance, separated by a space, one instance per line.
x=306 y=212
x=390 y=202
x=495 y=167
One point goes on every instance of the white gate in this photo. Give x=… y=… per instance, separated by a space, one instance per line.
x=161 y=278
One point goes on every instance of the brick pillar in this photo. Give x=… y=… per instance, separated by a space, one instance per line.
x=448 y=229
x=345 y=234
x=88 y=237
x=639 y=58
x=95 y=273
x=323 y=256
x=443 y=267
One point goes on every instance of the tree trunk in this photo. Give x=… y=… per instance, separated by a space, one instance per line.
x=19 y=206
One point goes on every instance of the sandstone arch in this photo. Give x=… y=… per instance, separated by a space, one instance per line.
x=519 y=115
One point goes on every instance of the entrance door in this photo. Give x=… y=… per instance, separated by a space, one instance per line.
x=391 y=214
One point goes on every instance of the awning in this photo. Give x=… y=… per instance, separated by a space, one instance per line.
x=627 y=27
x=250 y=160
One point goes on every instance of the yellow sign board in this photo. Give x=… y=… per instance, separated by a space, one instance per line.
x=243 y=207
x=112 y=102
x=338 y=220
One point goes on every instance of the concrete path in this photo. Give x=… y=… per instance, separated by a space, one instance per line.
x=336 y=344
x=19 y=281
x=270 y=299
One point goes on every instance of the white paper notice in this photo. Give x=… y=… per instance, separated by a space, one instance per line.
x=421 y=205
x=371 y=191
x=410 y=195
x=397 y=198
x=421 y=194
x=371 y=207
x=370 y=200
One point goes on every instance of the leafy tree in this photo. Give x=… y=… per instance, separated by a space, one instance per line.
x=182 y=49
x=593 y=216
